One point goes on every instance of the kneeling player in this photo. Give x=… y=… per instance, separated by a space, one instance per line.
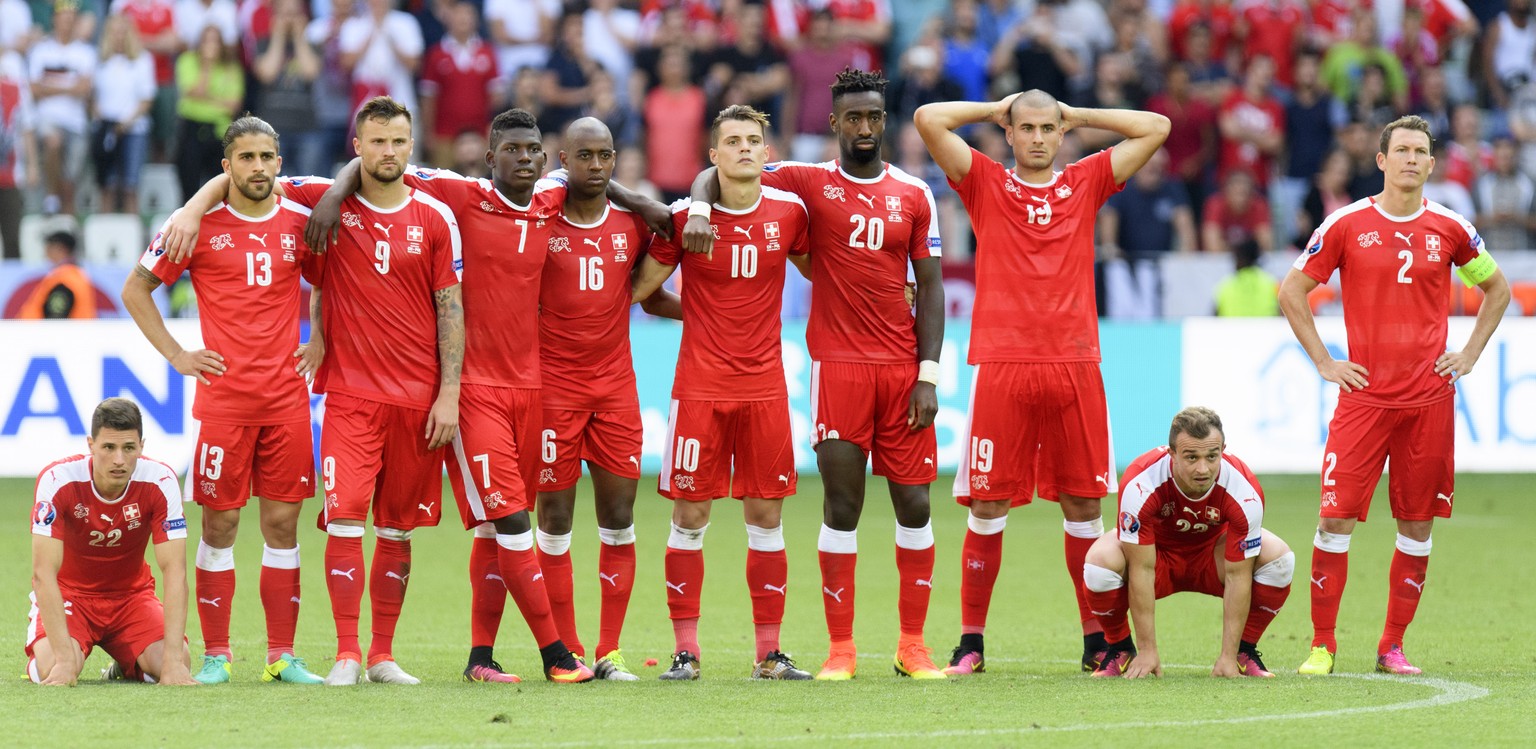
x=1190 y=520
x=93 y=516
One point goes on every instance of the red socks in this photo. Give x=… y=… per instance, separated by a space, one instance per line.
x=1330 y=570
x=1077 y=539
x=1262 y=608
x=685 y=581
x=616 y=581
x=1404 y=588
x=280 y=598
x=344 y=581
x=387 y=582
x=1111 y=609
x=487 y=592
x=555 y=561
x=980 y=558
x=767 y=582
x=522 y=577
x=838 y=553
x=914 y=568
x=215 y=598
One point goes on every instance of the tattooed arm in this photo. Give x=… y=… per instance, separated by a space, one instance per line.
x=443 y=420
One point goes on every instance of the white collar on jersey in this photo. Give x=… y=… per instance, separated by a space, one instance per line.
x=607 y=208
x=885 y=168
x=1014 y=173
x=1423 y=205
x=277 y=205
x=746 y=210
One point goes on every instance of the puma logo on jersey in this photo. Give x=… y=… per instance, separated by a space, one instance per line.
x=106 y=519
x=1318 y=581
x=676 y=586
x=537 y=576
x=923 y=583
x=261 y=238
x=928 y=461
x=1407 y=238
x=398 y=576
x=1446 y=497
x=745 y=230
x=1416 y=586
x=610 y=579
x=427 y=508
x=634 y=460
x=1110 y=612
x=784 y=478
x=383 y=228
x=867 y=200
x=780 y=589
x=1193 y=512
x=1104 y=479
x=838 y=596
x=1272 y=612
x=347 y=574
x=597 y=244
x=214 y=602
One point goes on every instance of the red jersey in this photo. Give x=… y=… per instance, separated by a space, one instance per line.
x=862 y=13
x=504 y=249
x=1274 y=27
x=460 y=76
x=104 y=540
x=1034 y=260
x=1153 y=510
x=1393 y=273
x=864 y=234
x=379 y=314
x=1215 y=14
x=151 y=18
x=731 y=348
x=1263 y=116
x=584 y=312
x=246 y=274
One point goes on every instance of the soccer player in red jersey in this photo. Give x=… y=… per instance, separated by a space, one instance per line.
x=874 y=367
x=1191 y=518
x=1393 y=252
x=253 y=404
x=392 y=334
x=591 y=410
x=729 y=432
x=493 y=465
x=92 y=518
x=1038 y=418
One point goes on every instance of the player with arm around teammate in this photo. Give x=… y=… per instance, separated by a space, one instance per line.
x=91 y=519
x=1191 y=519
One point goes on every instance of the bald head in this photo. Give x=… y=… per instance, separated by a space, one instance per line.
x=589 y=128
x=588 y=153
x=1033 y=99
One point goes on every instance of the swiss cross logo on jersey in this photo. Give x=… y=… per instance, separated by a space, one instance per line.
x=771 y=230
x=131 y=512
x=289 y=242
x=1432 y=245
x=414 y=234
x=893 y=203
x=1213 y=514
x=620 y=242
x=221 y=242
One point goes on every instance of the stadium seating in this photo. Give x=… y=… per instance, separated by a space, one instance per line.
x=112 y=238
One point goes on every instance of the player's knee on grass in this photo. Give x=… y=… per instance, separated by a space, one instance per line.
x=220 y=527
x=153 y=658
x=910 y=503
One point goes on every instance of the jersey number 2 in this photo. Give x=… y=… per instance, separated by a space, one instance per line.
x=1402 y=273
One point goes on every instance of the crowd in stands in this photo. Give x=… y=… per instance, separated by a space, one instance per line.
x=1275 y=104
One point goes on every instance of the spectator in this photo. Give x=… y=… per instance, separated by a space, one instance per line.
x=1191 y=144
x=1252 y=124
x=1250 y=291
x=66 y=292
x=287 y=66
x=610 y=34
x=192 y=16
x=1434 y=102
x=966 y=53
x=565 y=85
x=674 y=127
x=18 y=152
x=62 y=69
x=125 y=92
x=383 y=49
x=1038 y=56
x=1371 y=104
x=788 y=22
x=1210 y=78
x=921 y=81
x=1235 y=215
x=605 y=105
x=333 y=89
x=211 y=87
x=1139 y=38
x=1274 y=29
x=522 y=31
x=1362 y=144
x=1346 y=61
x=1415 y=46
x=751 y=66
x=1214 y=17
x=1329 y=192
x=1329 y=22
x=1150 y=217
x=469 y=151
x=1505 y=199
x=631 y=173
x=813 y=67
x=254 y=19
x=1311 y=117
x=524 y=91
x=460 y=83
x=1445 y=192
x=865 y=26
x=155 y=21
x=1468 y=155
x=1509 y=52
x=16 y=28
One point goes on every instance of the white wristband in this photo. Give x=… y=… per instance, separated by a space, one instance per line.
x=699 y=208
x=928 y=371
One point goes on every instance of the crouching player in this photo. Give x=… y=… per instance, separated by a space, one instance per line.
x=1190 y=520
x=93 y=516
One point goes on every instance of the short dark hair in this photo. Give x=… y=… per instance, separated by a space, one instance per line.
x=247 y=124
x=854 y=81
x=117 y=413
x=1411 y=122
x=63 y=239
x=381 y=109
x=1195 y=421
x=512 y=119
x=740 y=113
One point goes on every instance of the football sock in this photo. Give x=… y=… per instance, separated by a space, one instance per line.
x=487 y=593
x=914 y=566
x=1330 y=570
x=555 y=561
x=1077 y=539
x=616 y=581
x=838 y=553
x=344 y=581
x=979 y=559
x=1410 y=565
x=215 y=596
x=280 y=598
x=387 y=581
x=525 y=581
x=684 y=571
x=1271 y=586
x=1108 y=601
x=767 y=581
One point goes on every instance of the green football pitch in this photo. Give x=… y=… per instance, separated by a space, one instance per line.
x=1472 y=637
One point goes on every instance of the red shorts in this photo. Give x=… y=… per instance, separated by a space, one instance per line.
x=372 y=451
x=232 y=463
x=495 y=458
x=867 y=404
x=1420 y=442
x=709 y=441
x=1192 y=570
x=124 y=626
x=1036 y=427
x=609 y=440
